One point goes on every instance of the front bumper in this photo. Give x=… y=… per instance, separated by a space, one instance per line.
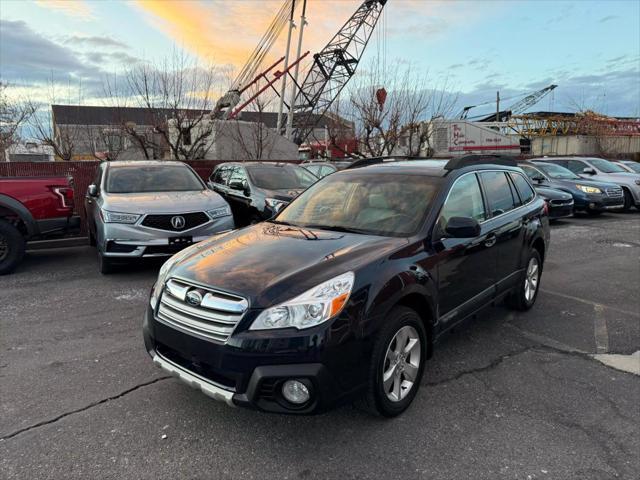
x=135 y=241
x=560 y=210
x=249 y=370
x=598 y=202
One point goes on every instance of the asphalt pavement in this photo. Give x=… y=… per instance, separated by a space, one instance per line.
x=506 y=396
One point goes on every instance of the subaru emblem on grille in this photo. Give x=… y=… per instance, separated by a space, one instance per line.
x=194 y=297
x=177 y=222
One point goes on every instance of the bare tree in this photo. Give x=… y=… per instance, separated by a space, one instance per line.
x=178 y=95
x=391 y=108
x=64 y=139
x=14 y=113
x=253 y=139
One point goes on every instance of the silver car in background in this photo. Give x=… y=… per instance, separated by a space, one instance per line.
x=150 y=209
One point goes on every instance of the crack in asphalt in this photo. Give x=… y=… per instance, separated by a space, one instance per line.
x=82 y=409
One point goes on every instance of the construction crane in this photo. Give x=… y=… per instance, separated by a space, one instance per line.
x=249 y=75
x=516 y=108
x=332 y=68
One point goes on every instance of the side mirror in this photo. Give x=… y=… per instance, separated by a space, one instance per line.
x=462 y=227
x=589 y=171
x=538 y=179
x=92 y=191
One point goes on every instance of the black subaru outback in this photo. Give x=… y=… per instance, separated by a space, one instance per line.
x=344 y=294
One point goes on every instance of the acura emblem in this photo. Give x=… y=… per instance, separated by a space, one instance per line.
x=177 y=222
x=194 y=297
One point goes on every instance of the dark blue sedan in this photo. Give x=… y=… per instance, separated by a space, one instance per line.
x=592 y=197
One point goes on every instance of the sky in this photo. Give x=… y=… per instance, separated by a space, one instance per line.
x=590 y=49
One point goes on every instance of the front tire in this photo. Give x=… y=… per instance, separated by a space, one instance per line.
x=526 y=292
x=105 y=265
x=397 y=364
x=12 y=247
x=628 y=200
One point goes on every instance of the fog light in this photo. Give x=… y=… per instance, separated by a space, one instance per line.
x=592 y=205
x=296 y=392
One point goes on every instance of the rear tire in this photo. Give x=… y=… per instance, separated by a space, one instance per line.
x=403 y=333
x=528 y=287
x=12 y=246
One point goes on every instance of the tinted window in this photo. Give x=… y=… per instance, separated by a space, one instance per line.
x=498 y=191
x=576 y=166
x=525 y=191
x=635 y=166
x=161 y=178
x=221 y=175
x=238 y=175
x=315 y=169
x=464 y=200
x=274 y=177
x=531 y=172
x=606 y=166
x=392 y=205
x=556 y=171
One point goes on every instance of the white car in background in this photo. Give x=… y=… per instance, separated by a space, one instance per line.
x=150 y=209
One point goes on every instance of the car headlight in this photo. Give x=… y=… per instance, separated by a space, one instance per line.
x=275 y=204
x=116 y=217
x=587 y=189
x=313 y=307
x=219 y=212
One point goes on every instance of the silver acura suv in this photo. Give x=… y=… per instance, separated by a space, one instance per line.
x=150 y=209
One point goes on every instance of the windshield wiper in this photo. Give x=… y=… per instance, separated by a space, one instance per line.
x=337 y=228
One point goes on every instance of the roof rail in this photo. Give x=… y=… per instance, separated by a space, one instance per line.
x=365 y=162
x=468 y=160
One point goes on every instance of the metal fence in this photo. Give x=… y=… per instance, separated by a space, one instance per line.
x=82 y=174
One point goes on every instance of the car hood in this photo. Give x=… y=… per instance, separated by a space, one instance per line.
x=162 y=202
x=552 y=193
x=625 y=178
x=269 y=263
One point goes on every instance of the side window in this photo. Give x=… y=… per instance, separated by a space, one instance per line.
x=498 y=191
x=464 y=200
x=531 y=172
x=524 y=189
x=222 y=175
x=98 y=176
x=238 y=175
x=576 y=166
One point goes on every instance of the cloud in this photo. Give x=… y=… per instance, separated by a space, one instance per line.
x=72 y=8
x=95 y=41
x=608 y=18
x=100 y=58
x=28 y=56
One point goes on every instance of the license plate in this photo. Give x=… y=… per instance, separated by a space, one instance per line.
x=182 y=241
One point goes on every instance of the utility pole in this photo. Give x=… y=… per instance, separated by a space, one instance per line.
x=497 y=106
x=303 y=22
x=283 y=88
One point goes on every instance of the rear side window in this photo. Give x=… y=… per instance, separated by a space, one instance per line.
x=576 y=166
x=498 y=191
x=524 y=189
x=464 y=200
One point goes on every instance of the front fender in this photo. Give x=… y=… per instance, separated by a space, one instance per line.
x=22 y=212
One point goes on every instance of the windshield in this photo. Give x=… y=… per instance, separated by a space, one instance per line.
x=556 y=171
x=633 y=166
x=391 y=205
x=288 y=177
x=606 y=166
x=156 y=178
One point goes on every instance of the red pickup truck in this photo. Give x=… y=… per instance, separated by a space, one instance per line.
x=33 y=208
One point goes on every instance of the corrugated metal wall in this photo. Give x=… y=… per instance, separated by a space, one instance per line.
x=82 y=174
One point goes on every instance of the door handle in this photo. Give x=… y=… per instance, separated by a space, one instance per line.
x=490 y=241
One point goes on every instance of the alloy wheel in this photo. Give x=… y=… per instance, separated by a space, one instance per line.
x=531 y=280
x=401 y=364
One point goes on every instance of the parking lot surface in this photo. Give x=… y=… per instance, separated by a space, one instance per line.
x=508 y=395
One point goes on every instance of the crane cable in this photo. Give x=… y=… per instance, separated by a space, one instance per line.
x=256 y=58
